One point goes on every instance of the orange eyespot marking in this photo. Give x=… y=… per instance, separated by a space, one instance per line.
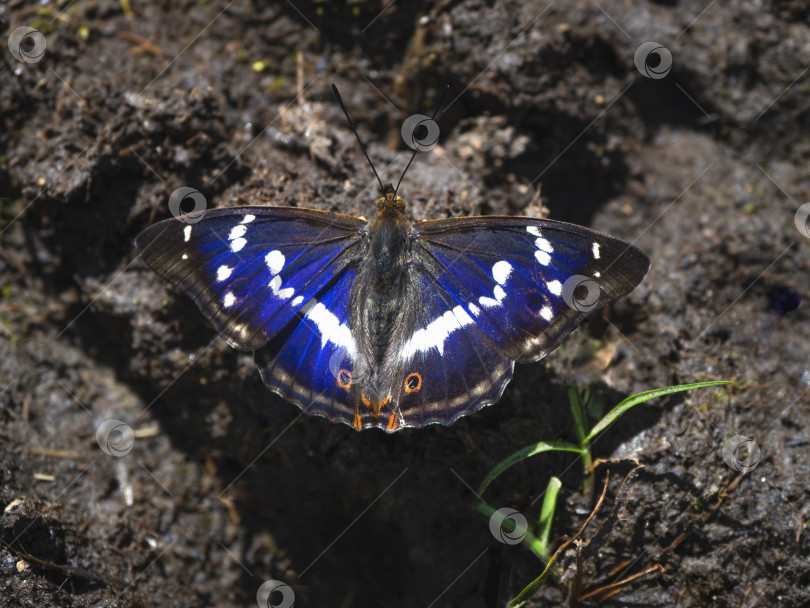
x=357 y=424
x=413 y=383
x=344 y=379
x=393 y=421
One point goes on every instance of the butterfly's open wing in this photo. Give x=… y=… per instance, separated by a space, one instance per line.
x=311 y=362
x=497 y=290
x=527 y=283
x=250 y=270
x=446 y=365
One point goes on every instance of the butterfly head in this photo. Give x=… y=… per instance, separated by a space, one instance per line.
x=390 y=202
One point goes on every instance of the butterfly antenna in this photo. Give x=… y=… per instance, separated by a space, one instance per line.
x=354 y=130
x=408 y=166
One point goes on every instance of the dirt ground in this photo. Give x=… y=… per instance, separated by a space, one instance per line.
x=702 y=164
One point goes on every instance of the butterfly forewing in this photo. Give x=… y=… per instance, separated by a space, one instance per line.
x=251 y=270
x=527 y=283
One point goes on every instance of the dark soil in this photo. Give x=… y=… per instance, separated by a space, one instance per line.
x=226 y=486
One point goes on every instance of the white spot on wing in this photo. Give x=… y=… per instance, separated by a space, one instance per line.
x=597 y=274
x=184 y=256
x=543 y=245
x=237 y=244
x=437 y=331
x=462 y=316
x=297 y=300
x=474 y=309
x=237 y=231
x=501 y=271
x=228 y=300
x=223 y=272
x=533 y=230
x=499 y=294
x=330 y=327
x=546 y=313
x=187 y=233
x=247 y=219
x=542 y=257
x=275 y=261
x=596 y=251
x=555 y=287
x=275 y=287
x=241 y=330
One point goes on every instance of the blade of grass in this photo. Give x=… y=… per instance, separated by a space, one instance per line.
x=547 y=515
x=530 y=540
x=577 y=411
x=527 y=452
x=634 y=400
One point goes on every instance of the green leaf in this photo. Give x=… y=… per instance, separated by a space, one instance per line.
x=527 y=452
x=634 y=400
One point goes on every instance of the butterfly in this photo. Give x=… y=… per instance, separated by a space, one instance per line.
x=387 y=323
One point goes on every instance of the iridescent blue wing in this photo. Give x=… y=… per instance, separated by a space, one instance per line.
x=311 y=362
x=251 y=270
x=498 y=290
x=447 y=365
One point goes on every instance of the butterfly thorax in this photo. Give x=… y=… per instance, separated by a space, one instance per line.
x=388 y=249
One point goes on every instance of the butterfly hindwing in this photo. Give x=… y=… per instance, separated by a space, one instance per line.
x=251 y=270
x=447 y=366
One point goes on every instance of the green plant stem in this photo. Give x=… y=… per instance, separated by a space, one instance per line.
x=579 y=415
